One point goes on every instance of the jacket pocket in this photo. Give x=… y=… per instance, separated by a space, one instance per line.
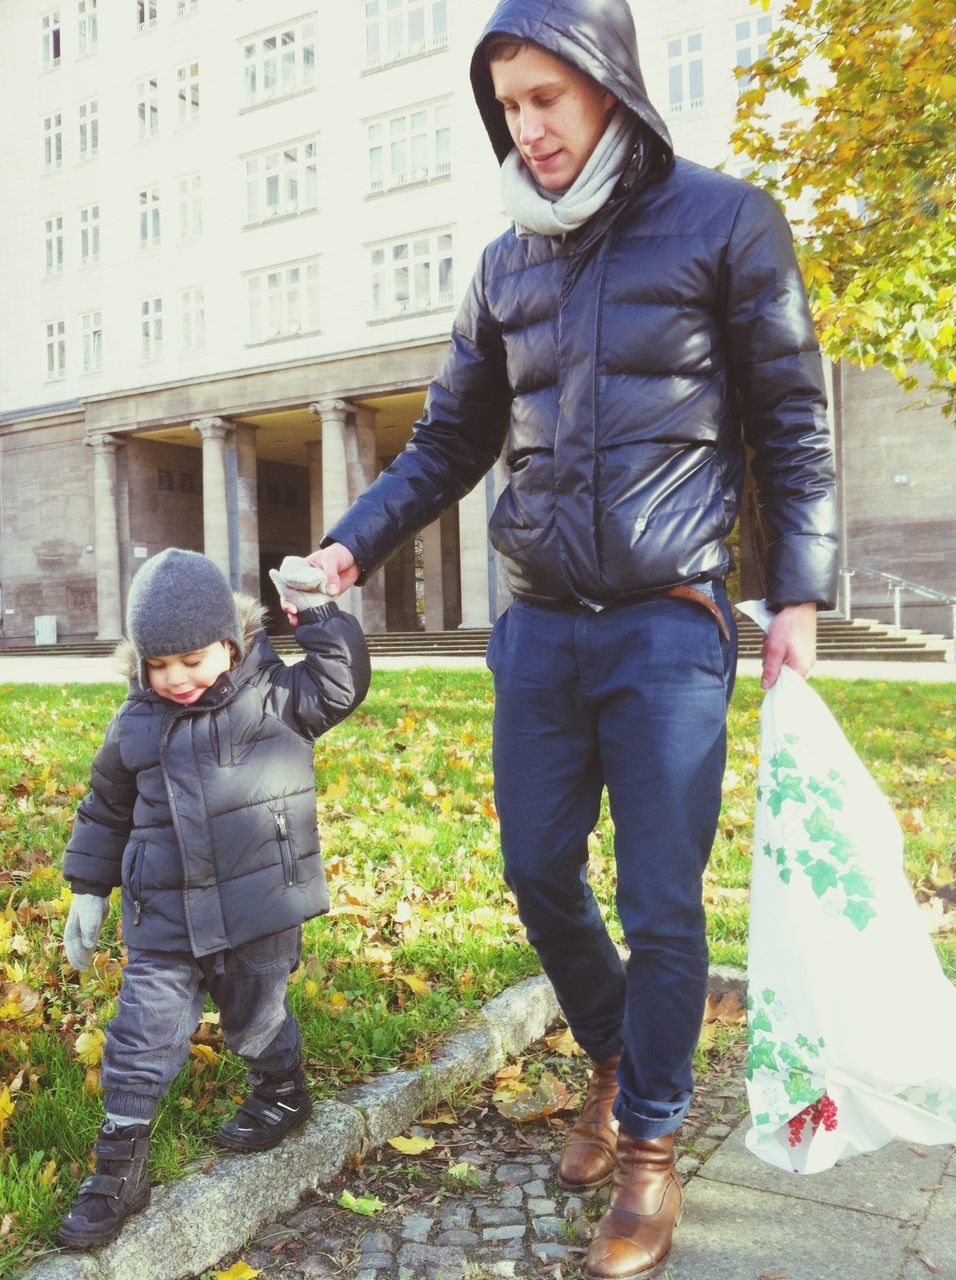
x=136 y=880
x=285 y=847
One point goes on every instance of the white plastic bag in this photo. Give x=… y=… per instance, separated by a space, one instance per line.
x=852 y=1022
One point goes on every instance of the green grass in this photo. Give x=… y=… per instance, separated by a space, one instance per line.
x=423 y=930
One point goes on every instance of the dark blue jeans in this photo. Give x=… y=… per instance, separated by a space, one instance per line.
x=160 y=1002
x=633 y=698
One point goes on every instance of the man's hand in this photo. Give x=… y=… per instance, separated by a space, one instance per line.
x=339 y=566
x=791 y=641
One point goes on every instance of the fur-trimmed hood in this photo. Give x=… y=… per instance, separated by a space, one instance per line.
x=251 y=614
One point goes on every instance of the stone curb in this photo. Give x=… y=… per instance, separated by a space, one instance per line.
x=191 y=1224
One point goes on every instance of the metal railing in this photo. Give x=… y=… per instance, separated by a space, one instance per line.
x=895 y=586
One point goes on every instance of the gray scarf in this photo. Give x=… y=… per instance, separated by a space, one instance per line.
x=555 y=213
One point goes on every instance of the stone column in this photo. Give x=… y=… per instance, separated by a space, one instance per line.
x=316 y=527
x=215 y=508
x=434 y=588
x=365 y=471
x=247 y=509
x=335 y=476
x=109 y=600
x=474 y=551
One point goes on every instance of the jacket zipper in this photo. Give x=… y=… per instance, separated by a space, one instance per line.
x=285 y=849
x=135 y=884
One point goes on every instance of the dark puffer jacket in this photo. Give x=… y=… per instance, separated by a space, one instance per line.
x=206 y=815
x=622 y=368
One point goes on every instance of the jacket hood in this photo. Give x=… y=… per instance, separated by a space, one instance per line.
x=594 y=36
x=251 y=616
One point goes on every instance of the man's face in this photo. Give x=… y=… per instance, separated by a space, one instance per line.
x=554 y=112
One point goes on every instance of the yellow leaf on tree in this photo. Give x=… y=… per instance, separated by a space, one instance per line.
x=238 y=1271
x=89 y=1046
x=411 y=1146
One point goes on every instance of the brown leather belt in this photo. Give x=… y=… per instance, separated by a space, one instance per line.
x=698 y=597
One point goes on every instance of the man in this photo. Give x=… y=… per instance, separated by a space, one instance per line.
x=642 y=320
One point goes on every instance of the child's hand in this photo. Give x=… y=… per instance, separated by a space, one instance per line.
x=83 y=924
x=300 y=586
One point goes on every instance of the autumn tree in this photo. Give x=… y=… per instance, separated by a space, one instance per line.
x=850 y=120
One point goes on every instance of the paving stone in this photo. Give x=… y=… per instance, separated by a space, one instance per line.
x=536 y=1188
x=704 y=1146
x=550 y=1228
x=506 y=1267
x=454 y=1215
x=545 y=1170
x=540 y=1205
x=511 y=1197
x=432 y=1262
x=416 y=1227
x=717 y=1130
x=458 y=1235
x=490 y=1215
x=687 y=1166
x=316 y=1266
x=376 y=1261
x=573 y=1207
x=492 y=1235
x=549 y=1251
x=512 y=1173
x=376 y=1242
x=936 y=1238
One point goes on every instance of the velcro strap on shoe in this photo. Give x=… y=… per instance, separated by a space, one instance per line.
x=115 y=1148
x=104 y=1184
x=258 y=1109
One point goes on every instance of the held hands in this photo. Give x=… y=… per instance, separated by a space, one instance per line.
x=83 y=924
x=333 y=567
x=790 y=641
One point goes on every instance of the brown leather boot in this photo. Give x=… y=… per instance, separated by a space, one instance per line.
x=633 y=1239
x=587 y=1159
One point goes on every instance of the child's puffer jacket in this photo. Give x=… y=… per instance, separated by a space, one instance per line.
x=206 y=815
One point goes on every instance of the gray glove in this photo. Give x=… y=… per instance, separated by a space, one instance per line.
x=301 y=583
x=83 y=924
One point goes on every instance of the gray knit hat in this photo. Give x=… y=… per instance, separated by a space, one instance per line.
x=179 y=602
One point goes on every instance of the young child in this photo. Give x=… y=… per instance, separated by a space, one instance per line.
x=202 y=808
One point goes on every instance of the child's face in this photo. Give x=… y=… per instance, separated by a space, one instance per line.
x=185 y=677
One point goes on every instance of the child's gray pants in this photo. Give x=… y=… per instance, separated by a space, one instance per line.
x=160 y=1003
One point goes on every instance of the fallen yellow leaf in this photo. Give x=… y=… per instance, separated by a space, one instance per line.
x=89 y=1046
x=238 y=1271
x=205 y=1054
x=418 y=985
x=411 y=1146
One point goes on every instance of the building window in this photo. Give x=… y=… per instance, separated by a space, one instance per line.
x=53 y=141
x=193 y=317
x=89 y=128
x=146 y=12
x=187 y=482
x=685 y=73
x=278 y=64
x=147 y=107
x=412 y=275
x=751 y=35
x=396 y=29
x=282 y=182
x=187 y=8
x=190 y=207
x=53 y=245
x=283 y=301
x=151 y=328
x=50 y=29
x=187 y=92
x=55 y=331
x=164 y=480
x=89 y=235
x=149 y=218
x=412 y=147
x=87 y=32
x=91 y=329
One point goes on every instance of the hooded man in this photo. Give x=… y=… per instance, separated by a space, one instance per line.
x=641 y=322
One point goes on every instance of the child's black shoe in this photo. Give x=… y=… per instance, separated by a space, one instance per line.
x=118 y=1188
x=278 y=1103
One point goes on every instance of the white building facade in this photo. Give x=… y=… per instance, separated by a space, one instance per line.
x=235 y=237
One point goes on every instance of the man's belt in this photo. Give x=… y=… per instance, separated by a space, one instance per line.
x=707 y=602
